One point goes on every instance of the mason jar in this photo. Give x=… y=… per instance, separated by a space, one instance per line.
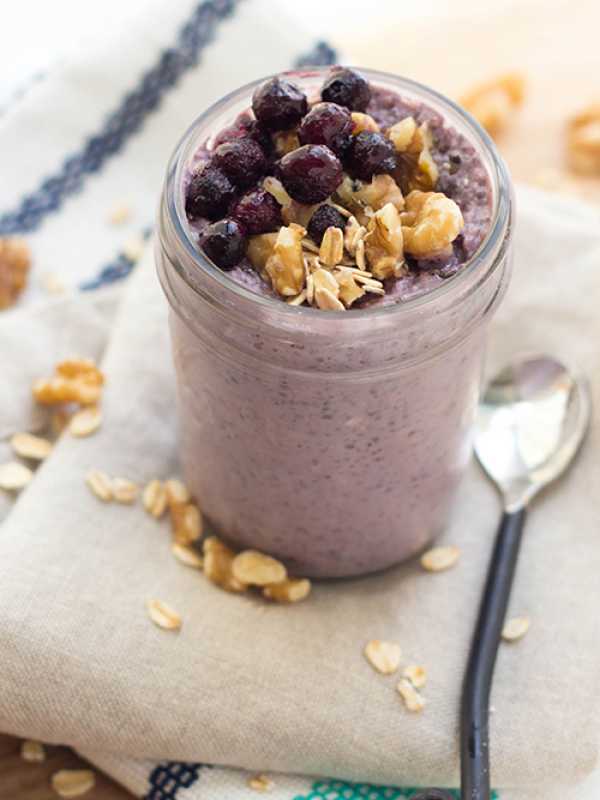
x=334 y=441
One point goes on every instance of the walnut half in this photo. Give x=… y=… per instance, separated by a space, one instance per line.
x=430 y=223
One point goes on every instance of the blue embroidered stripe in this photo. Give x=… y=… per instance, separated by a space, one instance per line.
x=122 y=123
x=115 y=270
x=321 y=54
x=168 y=777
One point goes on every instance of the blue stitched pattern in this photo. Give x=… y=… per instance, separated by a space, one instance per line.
x=168 y=777
x=115 y=270
x=322 y=55
x=122 y=123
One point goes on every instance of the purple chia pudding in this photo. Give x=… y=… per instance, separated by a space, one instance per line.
x=332 y=441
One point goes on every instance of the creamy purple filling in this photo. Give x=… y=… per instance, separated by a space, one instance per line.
x=462 y=177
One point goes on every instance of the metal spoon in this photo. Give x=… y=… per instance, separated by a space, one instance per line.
x=532 y=419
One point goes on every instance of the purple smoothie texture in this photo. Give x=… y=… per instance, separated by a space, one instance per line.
x=335 y=442
x=462 y=177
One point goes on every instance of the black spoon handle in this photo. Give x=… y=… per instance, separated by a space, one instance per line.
x=474 y=733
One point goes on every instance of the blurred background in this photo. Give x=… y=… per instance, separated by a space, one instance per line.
x=450 y=45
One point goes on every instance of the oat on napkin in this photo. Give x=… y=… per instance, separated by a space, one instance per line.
x=286 y=689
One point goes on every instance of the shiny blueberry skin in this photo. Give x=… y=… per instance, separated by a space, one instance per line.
x=279 y=104
x=224 y=243
x=209 y=194
x=311 y=173
x=325 y=216
x=328 y=124
x=258 y=212
x=370 y=154
x=347 y=88
x=242 y=160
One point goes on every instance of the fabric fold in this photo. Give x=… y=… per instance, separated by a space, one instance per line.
x=287 y=689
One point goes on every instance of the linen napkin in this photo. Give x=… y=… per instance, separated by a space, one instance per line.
x=286 y=689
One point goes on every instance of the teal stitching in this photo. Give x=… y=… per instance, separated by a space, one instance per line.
x=341 y=790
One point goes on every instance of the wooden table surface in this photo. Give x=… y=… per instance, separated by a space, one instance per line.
x=554 y=44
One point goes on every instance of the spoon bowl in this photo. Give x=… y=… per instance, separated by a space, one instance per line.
x=532 y=418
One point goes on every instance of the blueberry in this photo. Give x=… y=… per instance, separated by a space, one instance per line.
x=224 y=243
x=258 y=212
x=370 y=154
x=325 y=216
x=254 y=130
x=347 y=88
x=311 y=173
x=242 y=160
x=329 y=124
x=279 y=104
x=209 y=194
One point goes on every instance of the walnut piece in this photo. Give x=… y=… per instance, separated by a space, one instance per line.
x=493 y=103
x=583 y=141
x=285 y=268
x=416 y=167
x=15 y=261
x=430 y=223
x=365 y=198
x=363 y=122
x=285 y=142
x=75 y=381
x=402 y=134
x=384 y=246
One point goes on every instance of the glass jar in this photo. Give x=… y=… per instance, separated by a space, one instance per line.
x=333 y=441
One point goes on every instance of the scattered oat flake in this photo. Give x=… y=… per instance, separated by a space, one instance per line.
x=163 y=615
x=124 y=490
x=14 y=476
x=177 y=492
x=100 y=484
x=154 y=498
x=515 y=628
x=260 y=783
x=416 y=675
x=119 y=214
x=73 y=782
x=292 y=590
x=134 y=249
x=186 y=521
x=27 y=445
x=52 y=284
x=32 y=751
x=85 y=422
x=383 y=656
x=413 y=700
x=187 y=555
x=440 y=558
x=257 y=569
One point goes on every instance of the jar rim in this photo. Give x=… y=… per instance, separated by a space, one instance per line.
x=471 y=274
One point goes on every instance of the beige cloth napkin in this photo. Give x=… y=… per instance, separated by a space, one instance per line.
x=287 y=688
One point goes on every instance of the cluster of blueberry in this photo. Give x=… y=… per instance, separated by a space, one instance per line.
x=228 y=192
